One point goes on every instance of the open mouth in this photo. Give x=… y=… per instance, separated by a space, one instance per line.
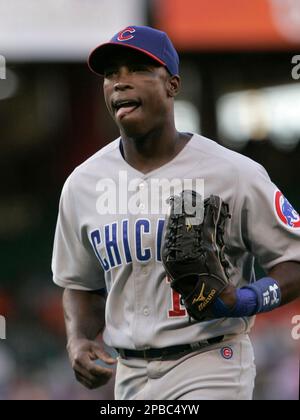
x=125 y=107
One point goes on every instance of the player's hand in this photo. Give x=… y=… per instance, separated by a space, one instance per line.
x=83 y=353
x=228 y=296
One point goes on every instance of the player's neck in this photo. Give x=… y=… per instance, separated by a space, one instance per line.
x=153 y=150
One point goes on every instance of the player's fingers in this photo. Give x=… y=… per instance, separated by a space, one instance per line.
x=99 y=353
x=83 y=367
x=84 y=372
x=83 y=380
x=90 y=370
x=99 y=371
x=96 y=378
x=91 y=384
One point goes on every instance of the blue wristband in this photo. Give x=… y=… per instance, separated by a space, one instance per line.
x=261 y=296
x=268 y=294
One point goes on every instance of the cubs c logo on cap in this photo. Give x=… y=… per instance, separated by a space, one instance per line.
x=122 y=35
x=285 y=212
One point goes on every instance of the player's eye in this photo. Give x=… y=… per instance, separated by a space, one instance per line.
x=139 y=67
x=110 y=72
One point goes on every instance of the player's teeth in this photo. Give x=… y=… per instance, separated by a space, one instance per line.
x=124 y=104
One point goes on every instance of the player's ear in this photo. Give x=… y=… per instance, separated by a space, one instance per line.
x=173 y=85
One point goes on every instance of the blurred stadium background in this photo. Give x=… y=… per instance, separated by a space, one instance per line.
x=236 y=63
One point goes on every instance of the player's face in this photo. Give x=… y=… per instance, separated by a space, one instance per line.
x=136 y=91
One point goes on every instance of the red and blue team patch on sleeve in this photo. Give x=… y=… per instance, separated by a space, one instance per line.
x=285 y=212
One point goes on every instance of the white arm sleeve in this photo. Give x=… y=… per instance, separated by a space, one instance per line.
x=74 y=264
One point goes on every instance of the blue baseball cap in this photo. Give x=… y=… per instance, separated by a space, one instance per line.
x=152 y=42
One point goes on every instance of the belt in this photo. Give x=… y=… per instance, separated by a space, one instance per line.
x=168 y=351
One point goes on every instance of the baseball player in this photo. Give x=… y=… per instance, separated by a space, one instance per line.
x=109 y=235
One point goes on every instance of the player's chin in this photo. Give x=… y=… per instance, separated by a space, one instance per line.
x=132 y=127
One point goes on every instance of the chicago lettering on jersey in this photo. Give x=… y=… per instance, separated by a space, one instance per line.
x=112 y=246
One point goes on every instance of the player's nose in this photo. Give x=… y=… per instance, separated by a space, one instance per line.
x=123 y=81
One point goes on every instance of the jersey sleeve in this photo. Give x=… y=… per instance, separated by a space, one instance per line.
x=74 y=266
x=270 y=227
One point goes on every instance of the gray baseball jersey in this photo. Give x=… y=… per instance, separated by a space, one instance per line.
x=109 y=235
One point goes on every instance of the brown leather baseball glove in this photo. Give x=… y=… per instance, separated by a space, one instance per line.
x=193 y=250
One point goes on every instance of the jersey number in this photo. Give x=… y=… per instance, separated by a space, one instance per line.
x=177 y=308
